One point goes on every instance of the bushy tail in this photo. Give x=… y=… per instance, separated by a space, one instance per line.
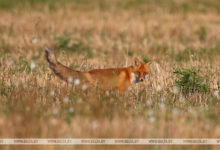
x=60 y=70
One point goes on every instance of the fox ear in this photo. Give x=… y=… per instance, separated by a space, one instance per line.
x=136 y=61
x=149 y=62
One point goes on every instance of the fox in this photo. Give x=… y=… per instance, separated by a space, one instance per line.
x=110 y=78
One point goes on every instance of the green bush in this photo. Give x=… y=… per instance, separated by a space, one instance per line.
x=130 y=53
x=189 y=81
x=146 y=59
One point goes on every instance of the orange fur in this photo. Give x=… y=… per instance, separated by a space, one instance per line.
x=111 y=78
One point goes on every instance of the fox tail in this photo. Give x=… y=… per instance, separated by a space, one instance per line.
x=60 y=70
x=51 y=58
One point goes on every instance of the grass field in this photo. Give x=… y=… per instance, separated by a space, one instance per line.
x=180 y=98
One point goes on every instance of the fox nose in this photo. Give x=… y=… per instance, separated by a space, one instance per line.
x=142 y=80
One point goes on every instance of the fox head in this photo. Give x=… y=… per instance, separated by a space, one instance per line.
x=140 y=71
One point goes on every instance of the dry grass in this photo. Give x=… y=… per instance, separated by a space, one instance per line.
x=35 y=103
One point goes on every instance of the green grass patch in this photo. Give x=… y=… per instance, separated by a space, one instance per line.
x=146 y=59
x=189 y=81
x=201 y=33
x=195 y=54
x=65 y=43
x=182 y=55
x=143 y=6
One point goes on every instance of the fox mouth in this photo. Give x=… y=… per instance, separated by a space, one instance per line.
x=139 y=80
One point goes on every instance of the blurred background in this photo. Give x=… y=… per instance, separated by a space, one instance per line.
x=180 y=98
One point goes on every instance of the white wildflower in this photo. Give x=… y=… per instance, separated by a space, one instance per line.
x=94 y=125
x=175 y=111
x=70 y=79
x=37 y=53
x=9 y=63
x=71 y=109
x=66 y=99
x=159 y=88
x=162 y=99
x=190 y=94
x=77 y=82
x=216 y=93
x=162 y=105
x=84 y=87
x=129 y=88
x=150 y=112
x=28 y=108
x=34 y=40
x=152 y=119
x=55 y=111
x=33 y=65
x=149 y=102
x=192 y=111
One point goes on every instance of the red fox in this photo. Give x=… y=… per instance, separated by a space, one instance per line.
x=110 y=78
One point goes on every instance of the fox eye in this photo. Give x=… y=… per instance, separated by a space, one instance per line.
x=145 y=73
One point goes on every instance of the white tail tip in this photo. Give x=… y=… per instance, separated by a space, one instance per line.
x=48 y=49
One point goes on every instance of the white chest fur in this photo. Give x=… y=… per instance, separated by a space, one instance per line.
x=133 y=78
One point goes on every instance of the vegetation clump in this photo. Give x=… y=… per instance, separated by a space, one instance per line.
x=189 y=80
